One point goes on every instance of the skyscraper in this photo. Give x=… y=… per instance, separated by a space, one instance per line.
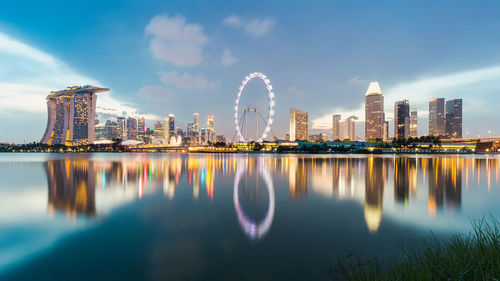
x=454 y=118
x=111 y=129
x=374 y=112
x=436 y=117
x=171 y=125
x=71 y=116
x=141 y=128
x=196 y=127
x=210 y=128
x=122 y=128
x=299 y=125
x=336 y=127
x=348 y=128
x=413 y=122
x=131 y=128
x=402 y=119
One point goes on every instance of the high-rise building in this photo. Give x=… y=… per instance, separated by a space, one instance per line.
x=111 y=129
x=100 y=132
x=336 y=127
x=196 y=127
x=131 y=128
x=386 y=130
x=402 y=119
x=348 y=128
x=436 y=117
x=299 y=125
x=71 y=116
x=171 y=125
x=210 y=128
x=413 y=122
x=141 y=128
x=454 y=118
x=374 y=112
x=122 y=128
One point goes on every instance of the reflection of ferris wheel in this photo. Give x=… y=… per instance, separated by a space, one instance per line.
x=242 y=122
x=253 y=229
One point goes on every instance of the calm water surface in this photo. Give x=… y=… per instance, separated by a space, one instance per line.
x=227 y=217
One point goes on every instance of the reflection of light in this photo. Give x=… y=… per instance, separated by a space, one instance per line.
x=373 y=217
x=103 y=179
x=253 y=230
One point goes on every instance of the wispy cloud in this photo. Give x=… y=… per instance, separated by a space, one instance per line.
x=29 y=74
x=254 y=27
x=227 y=58
x=175 y=41
x=187 y=81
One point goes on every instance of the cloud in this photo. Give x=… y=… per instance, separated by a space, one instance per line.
x=28 y=75
x=358 y=80
x=175 y=41
x=187 y=81
x=155 y=92
x=255 y=27
x=228 y=58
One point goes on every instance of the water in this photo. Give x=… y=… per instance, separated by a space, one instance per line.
x=227 y=217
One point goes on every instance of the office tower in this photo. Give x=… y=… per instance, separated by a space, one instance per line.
x=386 y=130
x=111 y=129
x=454 y=118
x=196 y=128
x=141 y=128
x=348 y=128
x=436 y=117
x=122 y=128
x=100 y=132
x=402 y=119
x=210 y=128
x=413 y=122
x=171 y=125
x=374 y=112
x=336 y=127
x=179 y=132
x=71 y=116
x=131 y=128
x=158 y=130
x=299 y=125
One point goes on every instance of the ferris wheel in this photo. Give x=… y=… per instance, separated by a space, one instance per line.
x=241 y=122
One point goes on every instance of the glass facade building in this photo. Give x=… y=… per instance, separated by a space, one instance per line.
x=436 y=117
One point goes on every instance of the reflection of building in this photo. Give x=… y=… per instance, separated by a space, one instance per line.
x=71 y=186
x=299 y=125
x=445 y=184
x=454 y=118
x=298 y=177
x=436 y=117
x=71 y=116
x=401 y=179
x=374 y=112
x=374 y=189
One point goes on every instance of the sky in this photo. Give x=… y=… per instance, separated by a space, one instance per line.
x=182 y=57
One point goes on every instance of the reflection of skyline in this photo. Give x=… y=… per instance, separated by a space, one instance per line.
x=71 y=186
x=76 y=184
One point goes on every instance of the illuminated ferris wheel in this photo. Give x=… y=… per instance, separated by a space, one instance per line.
x=241 y=122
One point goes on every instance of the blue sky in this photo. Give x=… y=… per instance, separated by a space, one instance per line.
x=181 y=57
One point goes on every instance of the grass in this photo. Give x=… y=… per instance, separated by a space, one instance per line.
x=473 y=256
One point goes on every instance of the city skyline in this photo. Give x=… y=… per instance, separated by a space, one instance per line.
x=415 y=66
